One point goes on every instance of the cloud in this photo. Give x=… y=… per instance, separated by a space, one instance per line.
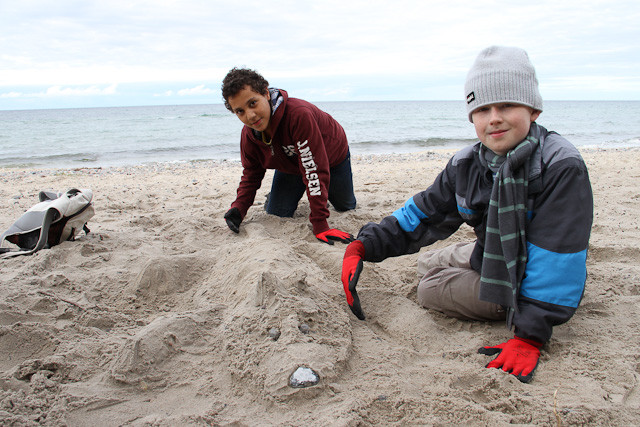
x=592 y=87
x=184 y=48
x=197 y=91
x=60 y=91
x=11 y=95
x=86 y=91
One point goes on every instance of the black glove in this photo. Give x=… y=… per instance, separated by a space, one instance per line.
x=233 y=219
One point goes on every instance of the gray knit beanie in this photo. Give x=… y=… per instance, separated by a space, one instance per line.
x=502 y=74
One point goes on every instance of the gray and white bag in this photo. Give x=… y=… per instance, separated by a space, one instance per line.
x=57 y=218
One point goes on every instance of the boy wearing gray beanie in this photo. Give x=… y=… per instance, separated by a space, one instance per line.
x=526 y=193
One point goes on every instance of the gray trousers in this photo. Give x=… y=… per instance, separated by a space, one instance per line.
x=448 y=284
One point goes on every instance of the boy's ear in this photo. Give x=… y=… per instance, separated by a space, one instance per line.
x=535 y=115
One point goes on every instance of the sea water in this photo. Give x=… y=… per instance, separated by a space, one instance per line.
x=121 y=136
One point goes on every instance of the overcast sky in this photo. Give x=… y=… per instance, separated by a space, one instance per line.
x=84 y=53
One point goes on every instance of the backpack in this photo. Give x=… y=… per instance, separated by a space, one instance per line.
x=57 y=218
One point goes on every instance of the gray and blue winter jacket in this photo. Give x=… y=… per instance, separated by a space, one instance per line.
x=559 y=218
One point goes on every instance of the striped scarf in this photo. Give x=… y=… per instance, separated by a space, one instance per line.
x=505 y=249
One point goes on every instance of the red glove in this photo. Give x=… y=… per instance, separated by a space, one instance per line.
x=351 y=268
x=518 y=356
x=334 y=234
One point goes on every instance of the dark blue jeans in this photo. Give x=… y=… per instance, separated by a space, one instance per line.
x=287 y=190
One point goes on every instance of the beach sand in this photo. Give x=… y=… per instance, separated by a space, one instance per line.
x=161 y=315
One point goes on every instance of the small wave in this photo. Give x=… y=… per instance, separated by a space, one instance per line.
x=31 y=161
x=421 y=143
x=176 y=149
x=214 y=115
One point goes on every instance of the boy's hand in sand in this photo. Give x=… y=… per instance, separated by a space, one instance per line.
x=351 y=268
x=334 y=234
x=517 y=356
x=233 y=219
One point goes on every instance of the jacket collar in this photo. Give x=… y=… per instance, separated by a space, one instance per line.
x=279 y=98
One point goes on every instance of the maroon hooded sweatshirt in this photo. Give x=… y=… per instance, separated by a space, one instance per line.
x=306 y=141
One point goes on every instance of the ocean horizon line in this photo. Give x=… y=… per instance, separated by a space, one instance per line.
x=313 y=102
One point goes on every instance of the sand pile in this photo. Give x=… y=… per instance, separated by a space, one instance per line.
x=162 y=316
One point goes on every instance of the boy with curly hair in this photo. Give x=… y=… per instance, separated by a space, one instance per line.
x=306 y=146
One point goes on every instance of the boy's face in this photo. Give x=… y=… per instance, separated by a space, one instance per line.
x=252 y=108
x=501 y=127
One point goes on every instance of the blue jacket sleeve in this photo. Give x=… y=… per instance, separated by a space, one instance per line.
x=428 y=216
x=557 y=241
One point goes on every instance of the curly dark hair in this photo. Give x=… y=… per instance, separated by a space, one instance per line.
x=237 y=78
